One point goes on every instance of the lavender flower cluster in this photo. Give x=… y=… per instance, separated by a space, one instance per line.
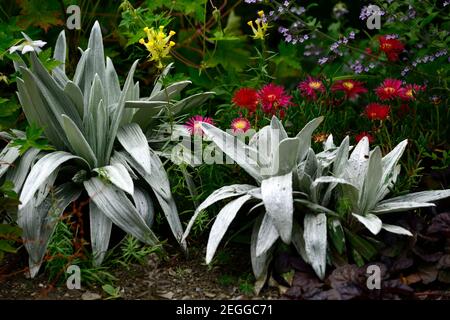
x=370 y=10
x=424 y=60
x=358 y=67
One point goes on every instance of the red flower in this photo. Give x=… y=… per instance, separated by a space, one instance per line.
x=389 y=89
x=410 y=91
x=273 y=98
x=364 y=134
x=310 y=87
x=376 y=111
x=391 y=47
x=246 y=98
x=240 y=125
x=404 y=110
x=194 y=124
x=351 y=88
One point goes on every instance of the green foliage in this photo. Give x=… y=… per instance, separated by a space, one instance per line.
x=9 y=236
x=34 y=138
x=131 y=251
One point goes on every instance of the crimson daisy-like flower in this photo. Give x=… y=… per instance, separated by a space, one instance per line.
x=351 y=88
x=311 y=87
x=376 y=111
x=364 y=134
x=389 y=89
x=273 y=98
x=410 y=91
x=246 y=98
x=240 y=125
x=391 y=47
x=194 y=124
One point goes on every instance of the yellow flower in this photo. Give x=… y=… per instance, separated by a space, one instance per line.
x=261 y=26
x=158 y=44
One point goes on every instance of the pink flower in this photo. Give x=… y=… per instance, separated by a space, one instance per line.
x=351 y=88
x=273 y=98
x=364 y=134
x=246 y=98
x=410 y=91
x=391 y=47
x=311 y=87
x=194 y=124
x=376 y=111
x=389 y=89
x=240 y=125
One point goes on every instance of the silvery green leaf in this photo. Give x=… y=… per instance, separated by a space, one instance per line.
x=144 y=205
x=305 y=137
x=118 y=175
x=370 y=221
x=135 y=143
x=19 y=173
x=119 y=209
x=60 y=77
x=119 y=158
x=389 y=207
x=234 y=148
x=78 y=142
x=156 y=107
x=170 y=91
x=221 y=224
x=261 y=142
x=279 y=203
x=341 y=158
x=159 y=81
x=101 y=132
x=285 y=157
x=298 y=241
x=36 y=111
x=52 y=92
x=79 y=77
x=112 y=84
x=38 y=223
x=329 y=143
x=192 y=101
x=8 y=155
x=310 y=165
x=100 y=226
x=117 y=115
x=330 y=179
x=267 y=235
x=357 y=164
x=41 y=171
x=45 y=188
x=96 y=60
x=59 y=53
x=315 y=235
x=423 y=196
x=368 y=194
x=275 y=124
x=389 y=169
x=396 y=229
x=75 y=95
x=260 y=264
x=226 y=192
x=314 y=206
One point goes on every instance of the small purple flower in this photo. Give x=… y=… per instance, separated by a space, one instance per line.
x=323 y=60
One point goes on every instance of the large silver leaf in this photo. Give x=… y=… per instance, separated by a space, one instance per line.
x=226 y=192
x=242 y=154
x=119 y=209
x=305 y=137
x=8 y=155
x=41 y=171
x=370 y=221
x=170 y=91
x=285 y=157
x=60 y=50
x=74 y=93
x=100 y=226
x=423 y=196
x=279 y=203
x=78 y=142
x=298 y=241
x=118 y=175
x=135 y=143
x=19 y=173
x=315 y=235
x=267 y=235
x=396 y=229
x=221 y=224
x=368 y=195
x=112 y=84
x=118 y=112
x=144 y=205
x=38 y=223
x=389 y=207
x=260 y=264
